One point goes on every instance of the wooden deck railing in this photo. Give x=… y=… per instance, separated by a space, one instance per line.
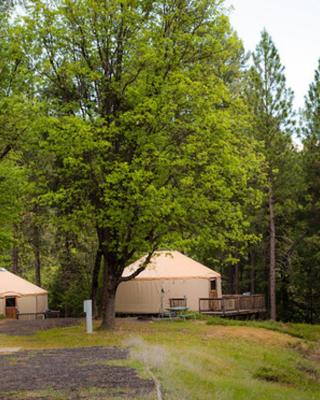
x=233 y=304
x=30 y=316
x=178 y=302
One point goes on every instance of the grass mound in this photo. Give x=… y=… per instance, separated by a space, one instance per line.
x=302 y=331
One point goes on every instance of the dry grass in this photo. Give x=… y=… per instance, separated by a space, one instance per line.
x=256 y=335
x=197 y=361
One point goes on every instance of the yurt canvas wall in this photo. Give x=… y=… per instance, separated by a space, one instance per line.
x=169 y=275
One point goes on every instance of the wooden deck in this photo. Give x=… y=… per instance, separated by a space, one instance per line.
x=232 y=305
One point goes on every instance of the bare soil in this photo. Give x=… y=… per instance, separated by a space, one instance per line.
x=16 y=327
x=70 y=371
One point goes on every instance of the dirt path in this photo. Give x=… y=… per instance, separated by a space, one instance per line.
x=15 y=327
x=25 y=374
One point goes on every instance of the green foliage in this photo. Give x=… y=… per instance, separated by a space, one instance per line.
x=270 y=97
x=307 y=255
x=274 y=118
x=69 y=300
x=12 y=187
x=130 y=126
x=142 y=136
x=14 y=120
x=311 y=128
x=273 y=126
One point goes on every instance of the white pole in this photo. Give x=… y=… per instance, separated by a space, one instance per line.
x=87 y=308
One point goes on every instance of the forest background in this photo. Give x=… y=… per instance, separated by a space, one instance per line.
x=129 y=126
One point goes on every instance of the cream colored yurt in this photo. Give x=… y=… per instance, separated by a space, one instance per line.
x=170 y=275
x=18 y=296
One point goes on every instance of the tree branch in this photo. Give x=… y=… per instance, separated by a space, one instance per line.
x=5 y=151
x=141 y=268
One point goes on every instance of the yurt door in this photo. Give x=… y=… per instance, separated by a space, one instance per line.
x=213 y=289
x=11 y=309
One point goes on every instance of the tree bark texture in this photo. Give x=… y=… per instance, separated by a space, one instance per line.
x=252 y=272
x=15 y=259
x=110 y=285
x=113 y=267
x=236 y=283
x=272 y=262
x=37 y=258
x=95 y=281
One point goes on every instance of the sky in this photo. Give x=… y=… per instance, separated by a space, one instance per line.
x=294 y=26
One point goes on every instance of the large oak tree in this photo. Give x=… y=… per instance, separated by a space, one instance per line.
x=140 y=133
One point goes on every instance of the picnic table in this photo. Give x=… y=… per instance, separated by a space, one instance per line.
x=177 y=311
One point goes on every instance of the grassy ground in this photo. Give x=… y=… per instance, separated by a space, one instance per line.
x=216 y=360
x=303 y=331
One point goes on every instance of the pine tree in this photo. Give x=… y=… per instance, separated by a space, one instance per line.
x=309 y=249
x=271 y=104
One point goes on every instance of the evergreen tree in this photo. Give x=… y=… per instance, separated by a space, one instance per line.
x=308 y=260
x=271 y=103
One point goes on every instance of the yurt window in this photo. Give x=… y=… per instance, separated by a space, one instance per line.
x=213 y=284
x=10 y=302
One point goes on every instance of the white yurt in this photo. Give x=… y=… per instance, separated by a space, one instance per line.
x=169 y=275
x=20 y=296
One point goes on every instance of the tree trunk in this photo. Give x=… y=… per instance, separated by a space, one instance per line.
x=272 y=265
x=252 y=272
x=108 y=311
x=95 y=281
x=230 y=279
x=37 y=259
x=15 y=259
x=110 y=285
x=310 y=307
x=285 y=305
x=15 y=250
x=236 y=286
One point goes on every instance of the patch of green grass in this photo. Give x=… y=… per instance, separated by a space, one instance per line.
x=197 y=360
x=302 y=331
x=227 y=369
x=273 y=374
x=74 y=336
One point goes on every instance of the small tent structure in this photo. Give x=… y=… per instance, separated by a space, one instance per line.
x=20 y=296
x=170 y=274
